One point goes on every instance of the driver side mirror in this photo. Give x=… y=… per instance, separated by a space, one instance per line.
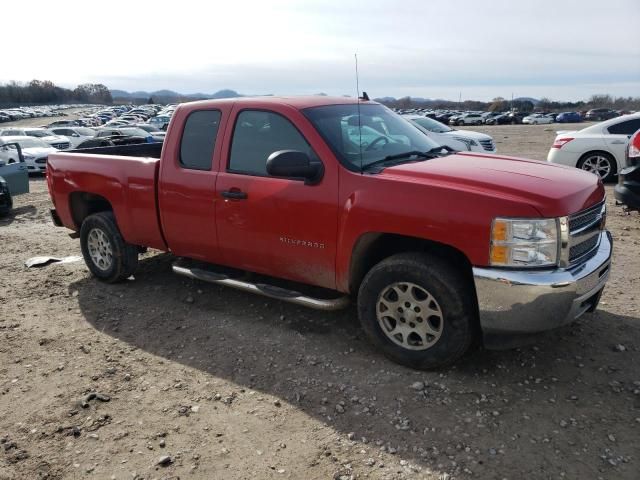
x=294 y=164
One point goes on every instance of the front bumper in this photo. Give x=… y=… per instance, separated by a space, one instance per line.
x=521 y=301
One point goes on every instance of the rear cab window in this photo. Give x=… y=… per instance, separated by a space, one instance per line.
x=199 y=139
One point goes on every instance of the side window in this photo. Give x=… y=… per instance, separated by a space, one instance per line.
x=625 y=128
x=257 y=134
x=199 y=139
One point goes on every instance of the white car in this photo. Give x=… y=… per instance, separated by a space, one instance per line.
x=34 y=150
x=598 y=149
x=537 y=119
x=461 y=140
x=76 y=135
x=58 y=142
x=470 y=119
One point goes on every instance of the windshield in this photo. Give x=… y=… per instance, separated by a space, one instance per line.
x=359 y=141
x=134 y=132
x=431 y=125
x=39 y=133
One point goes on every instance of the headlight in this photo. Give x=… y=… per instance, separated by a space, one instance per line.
x=524 y=242
x=29 y=157
x=469 y=142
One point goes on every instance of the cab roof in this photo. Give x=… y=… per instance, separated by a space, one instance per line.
x=299 y=102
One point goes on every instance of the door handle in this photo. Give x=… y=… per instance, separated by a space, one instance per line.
x=617 y=142
x=234 y=195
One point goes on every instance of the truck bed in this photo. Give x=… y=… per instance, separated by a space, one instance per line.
x=127 y=183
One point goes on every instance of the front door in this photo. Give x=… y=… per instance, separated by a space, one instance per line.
x=277 y=226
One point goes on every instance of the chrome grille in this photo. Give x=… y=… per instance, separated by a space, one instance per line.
x=580 y=249
x=585 y=217
x=487 y=144
x=41 y=160
x=61 y=146
x=584 y=232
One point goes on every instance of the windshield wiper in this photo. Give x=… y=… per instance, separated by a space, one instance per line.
x=431 y=153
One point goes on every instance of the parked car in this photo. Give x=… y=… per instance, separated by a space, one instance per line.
x=598 y=149
x=501 y=119
x=63 y=123
x=568 y=117
x=114 y=140
x=59 y=142
x=627 y=191
x=599 y=114
x=516 y=117
x=161 y=121
x=537 y=118
x=460 y=140
x=469 y=119
x=76 y=135
x=34 y=150
x=128 y=132
x=437 y=248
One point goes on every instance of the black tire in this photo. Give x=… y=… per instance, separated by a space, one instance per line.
x=124 y=256
x=6 y=209
x=587 y=157
x=454 y=297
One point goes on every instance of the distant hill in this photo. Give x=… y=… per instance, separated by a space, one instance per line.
x=171 y=96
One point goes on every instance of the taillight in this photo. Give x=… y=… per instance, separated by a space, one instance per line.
x=634 y=145
x=561 y=142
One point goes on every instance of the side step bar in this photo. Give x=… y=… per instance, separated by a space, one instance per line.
x=266 y=290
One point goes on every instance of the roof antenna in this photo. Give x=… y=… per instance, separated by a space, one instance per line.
x=364 y=97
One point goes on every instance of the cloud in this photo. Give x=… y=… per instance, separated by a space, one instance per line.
x=543 y=48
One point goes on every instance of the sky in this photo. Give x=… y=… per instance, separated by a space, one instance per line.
x=473 y=49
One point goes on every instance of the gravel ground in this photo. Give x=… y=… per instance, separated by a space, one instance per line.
x=164 y=377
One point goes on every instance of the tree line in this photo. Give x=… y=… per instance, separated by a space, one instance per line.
x=500 y=104
x=45 y=92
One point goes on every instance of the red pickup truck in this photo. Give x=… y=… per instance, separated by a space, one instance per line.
x=322 y=199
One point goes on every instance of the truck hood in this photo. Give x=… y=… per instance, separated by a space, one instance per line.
x=553 y=190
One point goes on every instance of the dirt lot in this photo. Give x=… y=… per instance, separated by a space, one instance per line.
x=224 y=385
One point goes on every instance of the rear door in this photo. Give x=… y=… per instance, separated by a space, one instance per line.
x=278 y=226
x=186 y=187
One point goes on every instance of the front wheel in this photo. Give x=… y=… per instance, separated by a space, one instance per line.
x=105 y=252
x=418 y=309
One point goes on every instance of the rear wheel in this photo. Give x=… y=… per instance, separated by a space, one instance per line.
x=105 y=252
x=418 y=309
x=599 y=163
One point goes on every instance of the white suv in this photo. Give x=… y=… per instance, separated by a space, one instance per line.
x=598 y=149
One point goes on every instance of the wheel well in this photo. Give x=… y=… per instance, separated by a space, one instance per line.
x=372 y=248
x=600 y=152
x=83 y=204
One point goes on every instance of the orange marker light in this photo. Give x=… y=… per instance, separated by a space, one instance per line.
x=499 y=254
x=499 y=231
